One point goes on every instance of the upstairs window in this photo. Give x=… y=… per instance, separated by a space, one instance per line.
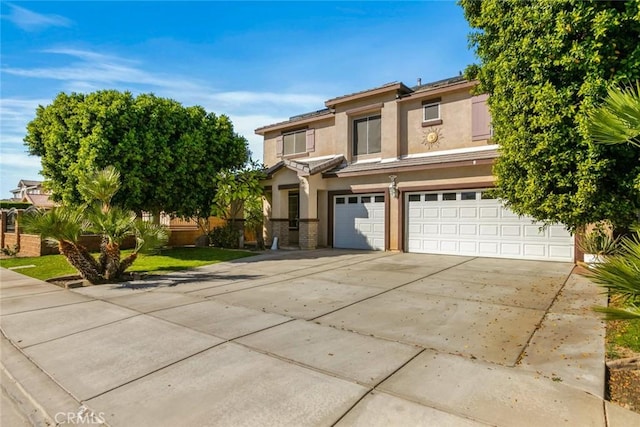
x=295 y=142
x=431 y=112
x=366 y=135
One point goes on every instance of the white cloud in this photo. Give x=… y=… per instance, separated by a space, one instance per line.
x=32 y=21
x=90 y=71
x=246 y=125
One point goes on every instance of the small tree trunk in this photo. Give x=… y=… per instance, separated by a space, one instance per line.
x=112 y=254
x=259 y=236
x=126 y=263
x=81 y=260
x=102 y=260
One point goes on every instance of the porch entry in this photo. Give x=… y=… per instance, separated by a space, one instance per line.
x=294 y=217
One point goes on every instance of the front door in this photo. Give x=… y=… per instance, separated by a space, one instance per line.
x=294 y=217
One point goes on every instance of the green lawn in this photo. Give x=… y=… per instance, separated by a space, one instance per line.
x=49 y=266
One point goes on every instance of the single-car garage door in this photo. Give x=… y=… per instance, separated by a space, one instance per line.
x=470 y=223
x=359 y=221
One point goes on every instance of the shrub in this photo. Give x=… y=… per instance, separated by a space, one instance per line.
x=226 y=236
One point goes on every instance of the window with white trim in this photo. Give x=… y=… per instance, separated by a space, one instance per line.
x=431 y=112
x=295 y=142
x=367 y=135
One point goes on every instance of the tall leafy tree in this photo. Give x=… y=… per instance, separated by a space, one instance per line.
x=165 y=152
x=546 y=64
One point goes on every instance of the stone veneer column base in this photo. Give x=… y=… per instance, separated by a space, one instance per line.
x=280 y=229
x=308 y=234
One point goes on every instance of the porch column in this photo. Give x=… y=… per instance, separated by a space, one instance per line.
x=309 y=211
x=279 y=215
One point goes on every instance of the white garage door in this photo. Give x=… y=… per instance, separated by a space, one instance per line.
x=359 y=221
x=468 y=223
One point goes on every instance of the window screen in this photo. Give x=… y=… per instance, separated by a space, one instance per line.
x=366 y=135
x=431 y=112
x=295 y=142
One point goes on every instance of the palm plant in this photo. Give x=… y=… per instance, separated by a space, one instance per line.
x=617 y=120
x=64 y=225
x=620 y=274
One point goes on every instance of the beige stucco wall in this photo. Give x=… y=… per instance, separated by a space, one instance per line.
x=402 y=134
x=455 y=130
x=325 y=143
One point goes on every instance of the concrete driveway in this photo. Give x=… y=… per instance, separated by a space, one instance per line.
x=314 y=338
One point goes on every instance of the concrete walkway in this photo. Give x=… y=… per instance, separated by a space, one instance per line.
x=314 y=338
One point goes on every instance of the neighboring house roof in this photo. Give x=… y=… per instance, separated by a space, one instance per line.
x=39 y=200
x=469 y=158
x=306 y=167
x=29 y=183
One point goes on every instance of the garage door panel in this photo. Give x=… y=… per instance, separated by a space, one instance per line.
x=449 y=229
x=556 y=231
x=468 y=213
x=507 y=214
x=480 y=227
x=560 y=251
x=430 y=213
x=489 y=213
x=488 y=248
x=415 y=213
x=534 y=231
x=430 y=229
x=468 y=247
x=510 y=249
x=415 y=228
x=449 y=245
x=449 y=212
x=377 y=214
x=488 y=230
x=510 y=231
x=535 y=250
x=468 y=229
x=359 y=223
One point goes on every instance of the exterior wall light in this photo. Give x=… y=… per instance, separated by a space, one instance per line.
x=393 y=187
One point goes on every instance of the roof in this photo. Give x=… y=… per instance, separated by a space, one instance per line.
x=300 y=119
x=29 y=183
x=415 y=163
x=439 y=83
x=400 y=87
x=39 y=200
x=306 y=167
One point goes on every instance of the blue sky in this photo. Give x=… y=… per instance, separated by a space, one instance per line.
x=257 y=62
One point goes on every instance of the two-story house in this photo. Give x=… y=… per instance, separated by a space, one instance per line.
x=397 y=168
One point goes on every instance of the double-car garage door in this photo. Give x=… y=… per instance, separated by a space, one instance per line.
x=465 y=222
x=470 y=223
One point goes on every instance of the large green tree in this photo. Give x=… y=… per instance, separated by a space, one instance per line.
x=166 y=153
x=546 y=64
